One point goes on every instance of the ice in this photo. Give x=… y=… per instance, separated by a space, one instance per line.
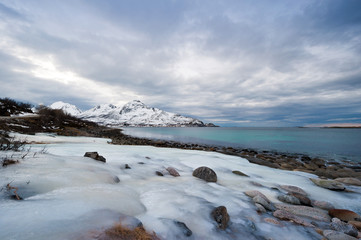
x=68 y=196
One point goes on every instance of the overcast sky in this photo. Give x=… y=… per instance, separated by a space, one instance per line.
x=234 y=63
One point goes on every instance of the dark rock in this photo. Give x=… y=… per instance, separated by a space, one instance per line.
x=159 y=173
x=206 y=174
x=346 y=228
x=260 y=208
x=95 y=156
x=266 y=204
x=344 y=215
x=302 y=198
x=141 y=163
x=116 y=179
x=240 y=173
x=127 y=166
x=293 y=189
x=186 y=231
x=221 y=216
x=173 y=172
x=147 y=157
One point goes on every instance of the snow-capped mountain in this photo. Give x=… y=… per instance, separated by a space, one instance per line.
x=66 y=107
x=134 y=113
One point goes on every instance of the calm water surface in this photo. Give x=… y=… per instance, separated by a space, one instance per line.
x=329 y=143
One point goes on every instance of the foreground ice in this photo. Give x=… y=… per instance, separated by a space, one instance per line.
x=68 y=196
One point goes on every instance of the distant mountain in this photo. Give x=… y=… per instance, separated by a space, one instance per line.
x=134 y=113
x=66 y=107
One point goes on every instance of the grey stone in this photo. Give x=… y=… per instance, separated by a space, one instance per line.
x=328 y=184
x=206 y=174
x=304 y=211
x=173 y=172
x=289 y=199
x=185 y=230
x=334 y=235
x=293 y=189
x=346 y=228
x=220 y=215
x=95 y=156
x=284 y=215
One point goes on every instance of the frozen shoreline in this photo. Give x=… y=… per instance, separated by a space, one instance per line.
x=63 y=192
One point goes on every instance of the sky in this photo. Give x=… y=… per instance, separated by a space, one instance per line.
x=230 y=62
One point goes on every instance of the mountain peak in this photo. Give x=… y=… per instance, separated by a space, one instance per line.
x=66 y=107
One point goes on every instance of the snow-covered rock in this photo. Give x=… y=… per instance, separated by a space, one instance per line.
x=66 y=107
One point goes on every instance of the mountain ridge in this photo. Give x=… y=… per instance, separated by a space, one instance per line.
x=134 y=114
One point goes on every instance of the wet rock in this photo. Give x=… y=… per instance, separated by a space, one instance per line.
x=116 y=179
x=356 y=224
x=141 y=163
x=254 y=193
x=289 y=199
x=344 y=215
x=304 y=211
x=206 y=174
x=260 y=208
x=284 y=215
x=173 y=172
x=240 y=173
x=256 y=184
x=333 y=235
x=322 y=204
x=329 y=184
x=349 y=181
x=127 y=166
x=346 y=228
x=266 y=204
x=293 y=189
x=185 y=230
x=221 y=216
x=95 y=156
x=304 y=200
x=272 y=221
x=159 y=173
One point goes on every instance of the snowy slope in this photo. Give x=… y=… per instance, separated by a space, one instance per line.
x=134 y=113
x=66 y=107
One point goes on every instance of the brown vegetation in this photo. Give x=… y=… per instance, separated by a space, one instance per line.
x=122 y=233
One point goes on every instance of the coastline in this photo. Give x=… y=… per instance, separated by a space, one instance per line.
x=278 y=160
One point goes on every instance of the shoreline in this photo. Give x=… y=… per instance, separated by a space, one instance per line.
x=284 y=161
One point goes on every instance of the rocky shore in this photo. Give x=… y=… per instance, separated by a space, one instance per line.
x=285 y=161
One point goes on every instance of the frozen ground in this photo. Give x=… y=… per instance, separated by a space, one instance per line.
x=68 y=196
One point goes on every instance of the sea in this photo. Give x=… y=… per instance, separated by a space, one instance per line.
x=332 y=144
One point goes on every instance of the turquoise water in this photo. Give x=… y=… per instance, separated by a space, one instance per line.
x=329 y=143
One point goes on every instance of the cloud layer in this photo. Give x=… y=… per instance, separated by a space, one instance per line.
x=243 y=63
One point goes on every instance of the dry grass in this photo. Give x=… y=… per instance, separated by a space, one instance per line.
x=122 y=233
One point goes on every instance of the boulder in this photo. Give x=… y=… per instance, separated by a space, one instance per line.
x=286 y=198
x=206 y=174
x=304 y=200
x=284 y=215
x=349 y=181
x=344 y=215
x=272 y=221
x=266 y=204
x=220 y=215
x=293 y=189
x=173 y=172
x=346 y=228
x=328 y=184
x=260 y=208
x=127 y=166
x=240 y=173
x=254 y=193
x=185 y=230
x=159 y=173
x=356 y=224
x=304 y=211
x=322 y=204
x=95 y=156
x=334 y=235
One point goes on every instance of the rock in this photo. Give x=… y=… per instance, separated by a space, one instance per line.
x=159 y=173
x=221 y=216
x=329 y=184
x=304 y=200
x=266 y=204
x=293 y=189
x=186 y=231
x=304 y=211
x=333 y=235
x=127 y=166
x=206 y=174
x=95 y=156
x=116 y=179
x=254 y=193
x=344 y=215
x=272 y=221
x=256 y=184
x=346 y=228
x=130 y=222
x=322 y=204
x=141 y=163
x=260 y=208
x=284 y=215
x=240 y=173
x=173 y=172
x=356 y=224
x=289 y=199
x=349 y=181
